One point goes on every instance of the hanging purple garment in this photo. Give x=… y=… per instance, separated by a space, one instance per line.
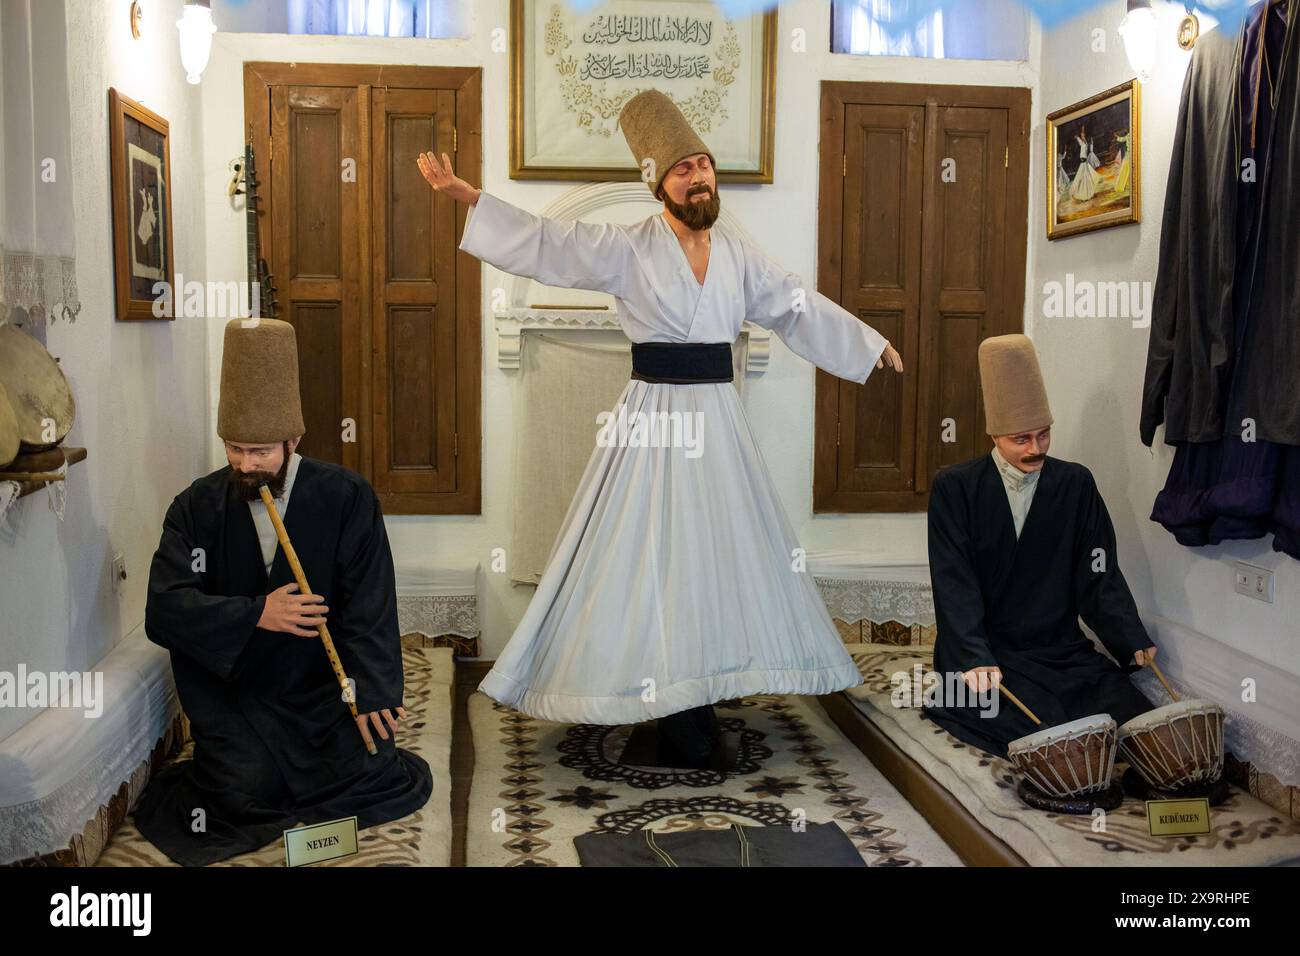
x=1230 y=488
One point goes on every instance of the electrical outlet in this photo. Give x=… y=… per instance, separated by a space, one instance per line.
x=117 y=575
x=1253 y=582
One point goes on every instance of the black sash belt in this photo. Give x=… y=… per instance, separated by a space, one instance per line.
x=682 y=363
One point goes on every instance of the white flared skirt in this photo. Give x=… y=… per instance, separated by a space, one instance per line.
x=675 y=578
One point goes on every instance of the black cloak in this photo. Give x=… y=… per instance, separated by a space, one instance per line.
x=274 y=743
x=1016 y=604
x=1192 y=355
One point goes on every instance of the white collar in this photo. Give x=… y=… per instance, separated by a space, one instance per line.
x=1013 y=477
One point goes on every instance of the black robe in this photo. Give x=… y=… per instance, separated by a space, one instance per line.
x=274 y=743
x=1016 y=605
x=1193 y=352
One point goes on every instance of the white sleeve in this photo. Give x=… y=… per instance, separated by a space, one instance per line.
x=562 y=253
x=812 y=325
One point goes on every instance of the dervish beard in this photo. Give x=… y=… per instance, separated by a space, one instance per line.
x=696 y=215
x=247 y=484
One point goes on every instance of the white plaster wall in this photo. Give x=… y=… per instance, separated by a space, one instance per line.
x=140 y=387
x=1094 y=367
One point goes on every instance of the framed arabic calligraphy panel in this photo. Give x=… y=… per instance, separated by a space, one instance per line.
x=573 y=71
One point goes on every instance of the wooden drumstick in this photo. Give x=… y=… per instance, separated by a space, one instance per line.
x=321 y=629
x=1152 y=665
x=1016 y=700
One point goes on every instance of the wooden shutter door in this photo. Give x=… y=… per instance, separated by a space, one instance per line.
x=881 y=284
x=316 y=257
x=963 y=279
x=922 y=234
x=413 y=296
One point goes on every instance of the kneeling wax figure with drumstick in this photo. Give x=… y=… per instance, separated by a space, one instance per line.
x=1021 y=547
x=276 y=739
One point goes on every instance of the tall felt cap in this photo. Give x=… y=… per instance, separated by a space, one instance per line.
x=1015 y=398
x=259 y=403
x=655 y=129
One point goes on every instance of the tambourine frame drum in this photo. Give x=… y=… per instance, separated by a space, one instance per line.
x=1176 y=745
x=1069 y=759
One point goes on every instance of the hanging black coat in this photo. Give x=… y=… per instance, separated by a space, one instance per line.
x=1015 y=604
x=274 y=742
x=1191 y=355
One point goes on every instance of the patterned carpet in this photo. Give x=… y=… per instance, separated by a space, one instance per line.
x=539 y=784
x=1245 y=831
x=421 y=839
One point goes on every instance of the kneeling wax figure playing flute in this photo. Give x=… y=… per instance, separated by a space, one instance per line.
x=274 y=740
x=672 y=583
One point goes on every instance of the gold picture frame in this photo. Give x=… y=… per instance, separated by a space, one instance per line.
x=1093 y=167
x=604 y=109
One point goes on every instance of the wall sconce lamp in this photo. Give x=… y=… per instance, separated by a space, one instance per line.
x=1138 y=30
x=196 y=29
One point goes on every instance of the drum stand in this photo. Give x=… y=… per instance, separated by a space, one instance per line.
x=1216 y=790
x=1083 y=804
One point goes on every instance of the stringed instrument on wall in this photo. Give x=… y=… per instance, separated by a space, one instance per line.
x=262 y=289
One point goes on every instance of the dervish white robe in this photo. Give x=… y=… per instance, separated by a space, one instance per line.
x=672 y=582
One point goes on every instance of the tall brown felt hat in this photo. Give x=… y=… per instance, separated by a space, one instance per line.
x=655 y=129
x=259 y=403
x=1015 y=399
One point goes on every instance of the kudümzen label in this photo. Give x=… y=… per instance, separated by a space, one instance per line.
x=320 y=842
x=1177 y=817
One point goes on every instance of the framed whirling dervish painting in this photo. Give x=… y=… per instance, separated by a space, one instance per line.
x=574 y=67
x=140 y=164
x=1093 y=163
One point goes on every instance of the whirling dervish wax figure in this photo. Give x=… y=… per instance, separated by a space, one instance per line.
x=671 y=583
x=1021 y=547
x=274 y=741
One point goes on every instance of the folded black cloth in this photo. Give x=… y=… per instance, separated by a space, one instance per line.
x=820 y=844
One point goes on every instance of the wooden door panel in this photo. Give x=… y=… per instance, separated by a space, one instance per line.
x=315 y=253
x=881 y=285
x=963 y=297
x=413 y=290
x=934 y=263
x=386 y=309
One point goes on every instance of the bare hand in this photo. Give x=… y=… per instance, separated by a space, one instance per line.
x=365 y=720
x=292 y=613
x=982 y=679
x=891 y=356
x=443 y=180
x=1143 y=658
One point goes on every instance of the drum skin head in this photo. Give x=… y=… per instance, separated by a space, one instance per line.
x=36 y=386
x=1162 y=715
x=8 y=430
x=1094 y=722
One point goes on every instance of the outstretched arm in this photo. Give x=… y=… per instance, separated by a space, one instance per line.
x=563 y=253
x=812 y=325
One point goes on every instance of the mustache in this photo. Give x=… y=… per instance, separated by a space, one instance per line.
x=1029 y=459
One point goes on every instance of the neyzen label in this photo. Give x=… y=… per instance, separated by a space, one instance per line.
x=320 y=842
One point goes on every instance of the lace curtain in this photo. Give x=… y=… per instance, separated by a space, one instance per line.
x=38 y=272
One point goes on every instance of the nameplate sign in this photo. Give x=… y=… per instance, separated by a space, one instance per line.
x=320 y=842
x=1178 y=817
